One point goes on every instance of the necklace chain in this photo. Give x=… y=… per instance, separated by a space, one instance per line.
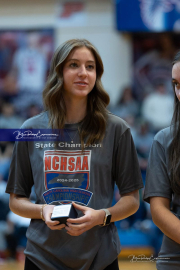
x=72 y=139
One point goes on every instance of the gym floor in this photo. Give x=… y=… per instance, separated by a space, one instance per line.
x=123 y=265
x=141 y=259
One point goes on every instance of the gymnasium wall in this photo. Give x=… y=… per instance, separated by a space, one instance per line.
x=98 y=27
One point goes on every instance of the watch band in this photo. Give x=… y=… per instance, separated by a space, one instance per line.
x=107 y=218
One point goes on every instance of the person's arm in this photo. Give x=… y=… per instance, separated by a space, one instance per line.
x=22 y=206
x=125 y=207
x=164 y=219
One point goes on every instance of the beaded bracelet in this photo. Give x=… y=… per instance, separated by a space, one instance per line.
x=41 y=211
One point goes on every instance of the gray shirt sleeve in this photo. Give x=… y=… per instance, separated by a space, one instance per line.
x=157 y=178
x=20 y=175
x=126 y=171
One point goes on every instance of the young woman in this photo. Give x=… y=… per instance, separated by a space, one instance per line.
x=95 y=152
x=162 y=188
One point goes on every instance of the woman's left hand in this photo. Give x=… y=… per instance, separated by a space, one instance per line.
x=91 y=218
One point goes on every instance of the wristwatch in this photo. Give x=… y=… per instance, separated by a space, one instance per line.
x=107 y=218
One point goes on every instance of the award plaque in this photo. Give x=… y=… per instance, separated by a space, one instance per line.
x=62 y=212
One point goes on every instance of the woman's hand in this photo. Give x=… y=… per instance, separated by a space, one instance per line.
x=53 y=225
x=90 y=219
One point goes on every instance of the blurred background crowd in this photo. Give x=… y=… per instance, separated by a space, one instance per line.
x=137 y=78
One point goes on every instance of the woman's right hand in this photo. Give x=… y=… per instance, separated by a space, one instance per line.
x=53 y=225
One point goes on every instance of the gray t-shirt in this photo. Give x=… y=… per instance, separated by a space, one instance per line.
x=158 y=171
x=61 y=172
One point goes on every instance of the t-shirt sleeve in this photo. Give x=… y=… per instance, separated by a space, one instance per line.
x=126 y=171
x=157 y=178
x=20 y=175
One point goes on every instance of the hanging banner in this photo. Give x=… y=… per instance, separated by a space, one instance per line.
x=71 y=14
x=148 y=15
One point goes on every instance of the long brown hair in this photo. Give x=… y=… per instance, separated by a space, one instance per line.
x=174 y=154
x=94 y=125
